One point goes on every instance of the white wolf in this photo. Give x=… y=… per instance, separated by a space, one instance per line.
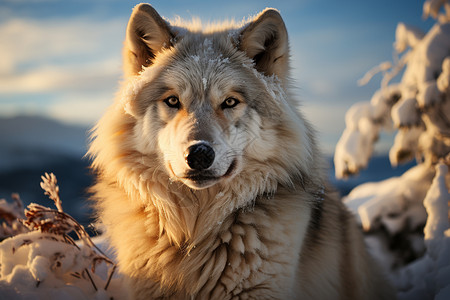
x=209 y=183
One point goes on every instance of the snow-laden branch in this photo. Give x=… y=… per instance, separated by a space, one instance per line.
x=418 y=107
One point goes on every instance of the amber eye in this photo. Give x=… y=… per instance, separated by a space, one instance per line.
x=172 y=102
x=229 y=103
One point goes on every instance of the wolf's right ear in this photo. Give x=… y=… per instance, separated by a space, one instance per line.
x=147 y=34
x=265 y=40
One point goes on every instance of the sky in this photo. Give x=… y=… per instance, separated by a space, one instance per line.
x=62 y=59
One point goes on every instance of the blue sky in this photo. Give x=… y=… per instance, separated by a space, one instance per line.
x=62 y=59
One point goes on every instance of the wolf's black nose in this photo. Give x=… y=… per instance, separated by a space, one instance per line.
x=199 y=156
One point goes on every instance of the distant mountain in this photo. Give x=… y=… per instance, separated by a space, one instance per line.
x=27 y=141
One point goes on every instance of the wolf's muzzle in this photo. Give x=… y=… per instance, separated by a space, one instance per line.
x=199 y=156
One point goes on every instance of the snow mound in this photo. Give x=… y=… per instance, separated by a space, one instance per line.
x=37 y=265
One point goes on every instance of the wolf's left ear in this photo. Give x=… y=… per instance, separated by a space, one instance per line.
x=147 y=34
x=265 y=40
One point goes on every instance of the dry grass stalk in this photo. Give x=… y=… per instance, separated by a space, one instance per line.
x=51 y=189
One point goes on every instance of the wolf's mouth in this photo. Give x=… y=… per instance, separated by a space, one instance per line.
x=206 y=176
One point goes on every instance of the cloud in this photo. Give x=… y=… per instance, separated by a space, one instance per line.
x=63 y=78
x=67 y=69
x=30 y=43
x=59 y=55
x=80 y=108
x=74 y=108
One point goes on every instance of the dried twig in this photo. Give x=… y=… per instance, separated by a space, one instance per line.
x=111 y=273
x=90 y=279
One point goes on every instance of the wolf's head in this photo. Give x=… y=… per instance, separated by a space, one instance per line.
x=204 y=124
x=208 y=106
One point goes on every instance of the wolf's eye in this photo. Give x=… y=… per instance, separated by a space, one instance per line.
x=172 y=102
x=229 y=103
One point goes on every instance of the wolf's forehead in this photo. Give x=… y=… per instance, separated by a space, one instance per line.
x=204 y=61
x=206 y=53
x=207 y=47
x=206 y=50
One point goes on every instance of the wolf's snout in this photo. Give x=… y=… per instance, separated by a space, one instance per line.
x=199 y=156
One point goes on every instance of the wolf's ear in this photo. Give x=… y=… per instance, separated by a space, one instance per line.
x=147 y=33
x=265 y=40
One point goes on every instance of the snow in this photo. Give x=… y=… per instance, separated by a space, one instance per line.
x=436 y=204
x=398 y=203
x=406 y=36
x=443 y=82
x=429 y=277
x=37 y=265
x=405 y=145
x=388 y=198
x=432 y=8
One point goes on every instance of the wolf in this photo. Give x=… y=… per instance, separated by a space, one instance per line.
x=209 y=181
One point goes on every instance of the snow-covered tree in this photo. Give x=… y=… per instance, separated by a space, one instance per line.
x=393 y=212
x=418 y=106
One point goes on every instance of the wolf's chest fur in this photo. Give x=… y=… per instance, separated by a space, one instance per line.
x=253 y=251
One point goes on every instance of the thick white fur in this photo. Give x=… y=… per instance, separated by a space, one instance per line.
x=267 y=230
